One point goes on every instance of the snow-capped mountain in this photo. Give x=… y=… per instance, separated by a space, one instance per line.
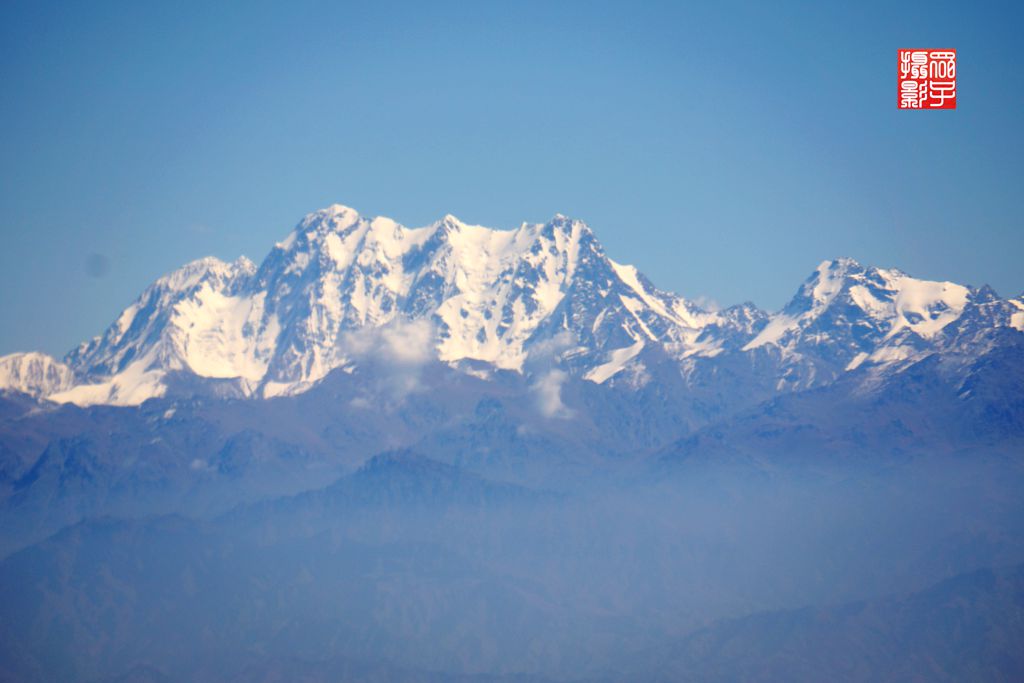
x=35 y=374
x=341 y=286
x=846 y=316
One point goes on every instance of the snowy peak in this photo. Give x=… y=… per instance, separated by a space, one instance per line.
x=826 y=283
x=34 y=373
x=165 y=307
x=889 y=297
x=209 y=269
x=486 y=290
x=884 y=302
x=846 y=315
x=499 y=287
x=200 y=318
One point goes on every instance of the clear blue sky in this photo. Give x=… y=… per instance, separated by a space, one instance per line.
x=723 y=148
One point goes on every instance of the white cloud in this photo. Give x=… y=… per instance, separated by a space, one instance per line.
x=548 y=389
x=394 y=354
x=546 y=378
x=707 y=303
x=399 y=341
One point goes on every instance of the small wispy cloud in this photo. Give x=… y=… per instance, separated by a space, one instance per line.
x=546 y=378
x=707 y=303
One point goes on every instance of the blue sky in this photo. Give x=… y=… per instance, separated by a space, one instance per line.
x=723 y=148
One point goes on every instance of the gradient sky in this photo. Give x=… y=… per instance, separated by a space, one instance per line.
x=724 y=148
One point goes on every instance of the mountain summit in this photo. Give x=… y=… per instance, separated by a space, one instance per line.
x=341 y=285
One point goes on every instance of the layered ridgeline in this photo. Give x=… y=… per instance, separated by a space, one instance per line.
x=470 y=454
x=342 y=289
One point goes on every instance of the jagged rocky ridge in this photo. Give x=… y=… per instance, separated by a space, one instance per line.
x=342 y=288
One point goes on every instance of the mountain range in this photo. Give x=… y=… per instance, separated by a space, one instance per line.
x=457 y=453
x=543 y=298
